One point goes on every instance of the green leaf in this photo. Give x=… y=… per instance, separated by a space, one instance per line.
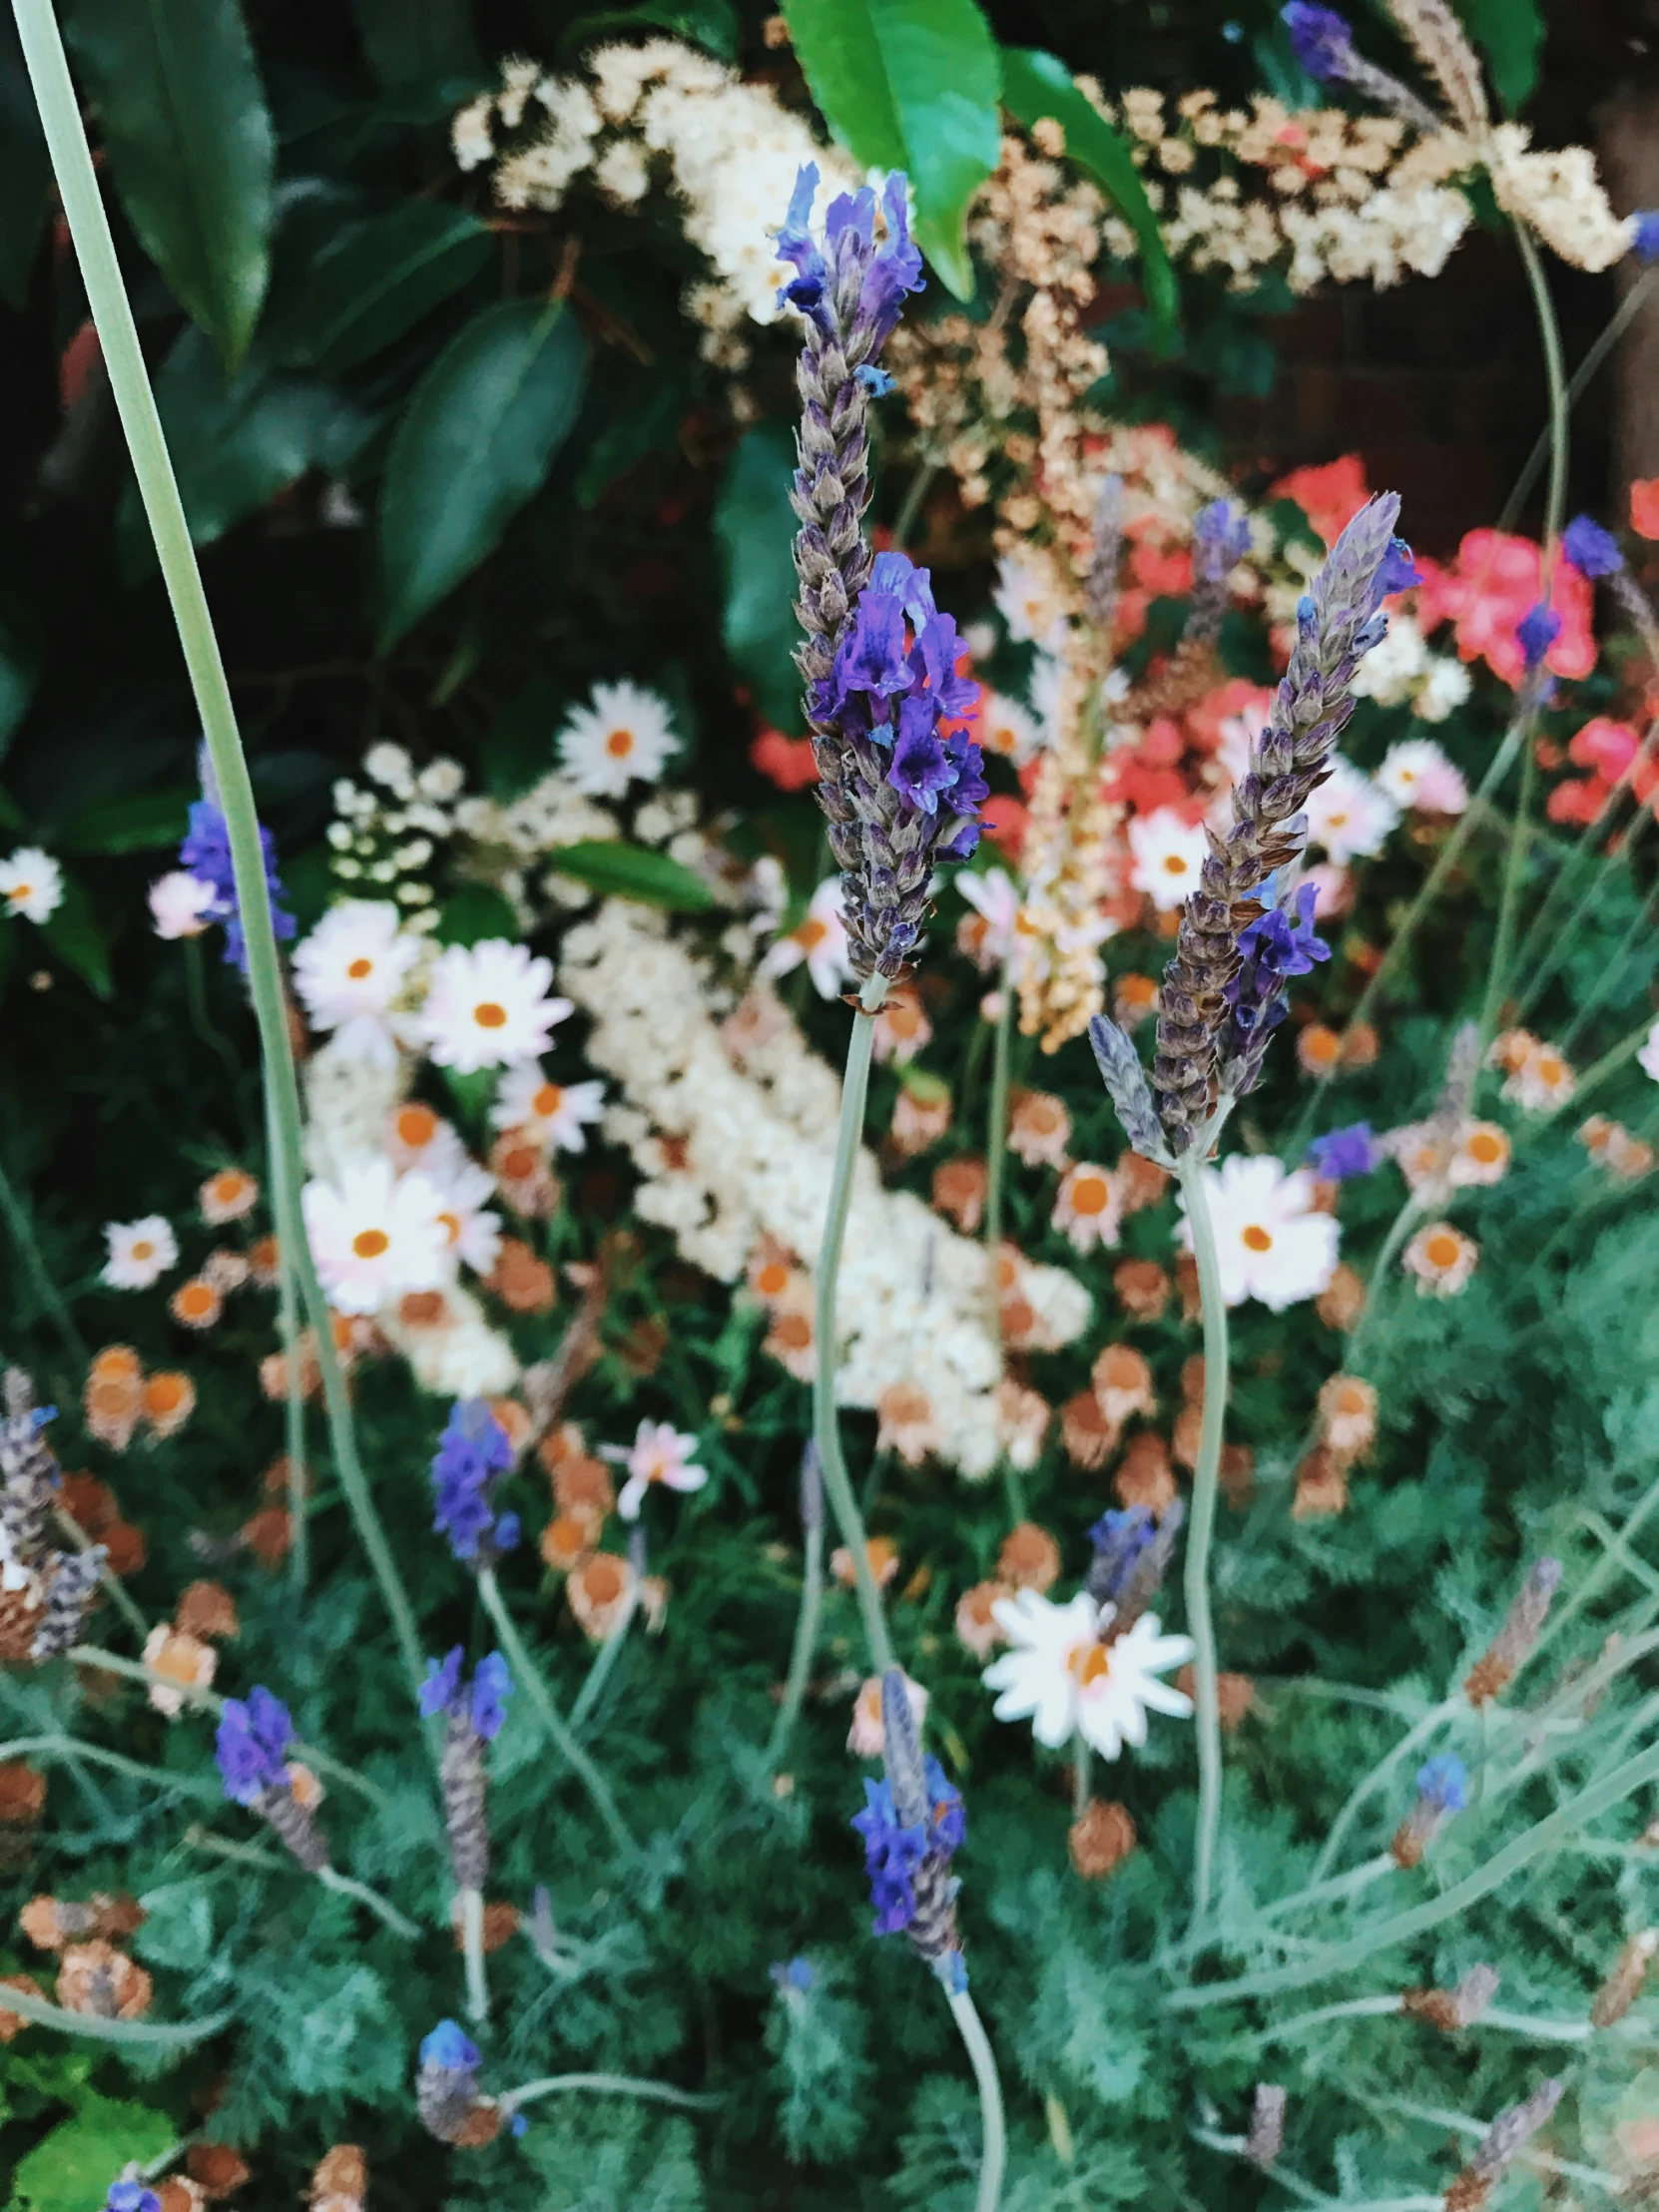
x=1510 y=33
x=473 y=447
x=474 y=914
x=755 y=526
x=418 y=42
x=1034 y=85
x=73 y=932
x=20 y=659
x=71 y=2169
x=620 y=870
x=911 y=85
x=191 y=148
x=376 y=281
x=518 y=746
x=139 y=823
x=650 y=426
x=711 y=24
x=25 y=170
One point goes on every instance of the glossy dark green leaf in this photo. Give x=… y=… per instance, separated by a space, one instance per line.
x=20 y=659
x=418 y=42
x=191 y=148
x=376 y=282
x=1510 y=33
x=911 y=85
x=25 y=170
x=473 y=445
x=518 y=746
x=649 y=424
x=474 y=914
x=620 y=870
x=712 y=23
x=1036 y=85
x=755 y=527
x=142 y=823
x=72 y=934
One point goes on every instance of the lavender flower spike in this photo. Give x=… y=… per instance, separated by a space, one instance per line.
x=911 y=1825
x=473 y=1452
x=1338 y=623
x=251 y=1749
x=206 y=854
x=1593 y=551
x=473 y=1713
x=1323 y=44
x=900 y=786
x=446 y=2089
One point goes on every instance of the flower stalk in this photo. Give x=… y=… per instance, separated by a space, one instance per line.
x=1200 y=1532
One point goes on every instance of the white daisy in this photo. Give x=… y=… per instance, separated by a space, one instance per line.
x=623 y=734
x=1417 y=773
x=1648 y=1058
x=553 y=1114
x=488 y=1006
x=1271 y=1243
x=471 y=1235
x=995 y=900
x=820 y=942
x=1348 y=814
x=1087 y=1207
x=1441 y=1258
x=349 y=971
x=375 y=1235
x=416 y=1137
x=1063 y=1678
x=1006 y=727
x=181 y=905
x=31 y=883
x=660 y=1453
x=1168 y=854
x=140 y=1250
x=1026 y=602
x=1444 y=689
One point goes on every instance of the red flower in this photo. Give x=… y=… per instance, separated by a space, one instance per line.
x=1329 y=497
x=1497 y=581
x=1238 y=696
x=1167 y=574
x=1644 y=507
x=1006 y=823
x=1606 y=745
x=786 y=761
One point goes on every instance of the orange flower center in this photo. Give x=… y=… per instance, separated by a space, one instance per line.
x=142 y=1248
x=369 y=1244
x=359 y=969
x=451 y=1228
x=164 y=1393
x=546 y=1100
x=1087 y=1663
x=1442 y=1250
x=197 y=1299
x=1350 y=1400
x=1137 y=991
x=518 y=1164
x=792 y=1331
x=489 y=1016
x=602 y=1581
x=620 y=744
x=771 y=1279
x=811 y=933
x=417 y=1126
x=1255 y=1239
x=1486 y=1147
x=1089 y=1195
x=1175 y=863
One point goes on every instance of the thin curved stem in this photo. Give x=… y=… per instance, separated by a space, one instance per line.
x=1352 y=2008
x=269 y=1862
x=1618 y=1056
x=70 y=1748
x=159 y=2034
x=1640 y=926
x=1555 y=373
x=112 y=316
x=993 y=2157
x=1381 y=1269
x=52 y=1301
x=996 y=1169
x=1201 y=1530
x=604 y=1664
x=806 y=1638
x=609 y=2086
x=1420 y=1733
x=826 y=1425
x=1611 y=332
x=554 y=1727
x=294 y=1438
x=472 y=1947
x=347 y=1885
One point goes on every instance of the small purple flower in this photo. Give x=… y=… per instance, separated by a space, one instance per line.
x=472 y=1451
x=205 y=853
x=1593 y=551
x=451 y=2049
x=492 y=1685
x=1343 y=1153
x=131 y=2196
x=920 y=769
x=253 y=1745
x=1120 y=1540
x=1282 y=941
x=795 y=1973
x=1444 y=1783
x=482 y=1705
x=889 y=270
x=1221 y=539
x=1645 y=243
x=1399 y=571
x=443 y=1677
x=1320 y=39
x=893 y=1853
x=1538 y=629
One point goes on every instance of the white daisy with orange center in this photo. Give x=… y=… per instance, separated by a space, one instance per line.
x=375 y=1235
x=1347 y=814
x=183 y=1663
x=351 y=973
x=139 y=1253
x=1272 y=1243
x=1648 y=1058
x=820 y=941
x=471 y=1233
x=1067 y=1676
x=622 y=736
x=554 y=1115
x=31 y=885
x=418 y=1137
x=1039 y=1129
x=1541 y=1078
x=181 y=905
x=196 y=1304
x=660 y=1453
x=1006 y=726
x=987 y=935
x=1479 y=1154
x=1417 y=773
x=227 y=1196
x=1168 y=853
x=1441 y=1258
x=488 y=1006
x=1087 y=1208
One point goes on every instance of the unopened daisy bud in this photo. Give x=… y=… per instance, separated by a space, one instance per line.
x=1452 y=2009
x=1497 y=1666
x=446 y=2090
x=1347 y=1418
x=1623 y=1985
x=1267 y=2125
x=1499 y=2147
x=1100 y=1839
x=340 y=2181
x=1443 y=1789
x=912 y=1824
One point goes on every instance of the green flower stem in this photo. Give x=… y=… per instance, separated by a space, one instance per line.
x=1556 y=1829
x=1536 y=2029
x=158 y=2034
x=299 y=1536
x=555 y=1729
x=1353 y=2008
x=995 y=2154
x=1611 y=332
x=1080 y=1765
x=825 y=1426
x=805 y=1642
x=1611 y=1063
x=607 y=2086
x=112 y=316
x=472 y=1946
x=269 y=1862
x=1420 y=1733
x=1539 y=961
x=1508 y=906
x=1378 y=1281
x=604 y=1665
x=51 y=1298
x=1201 y=1530
x=997 y=1167
x=70 y=1749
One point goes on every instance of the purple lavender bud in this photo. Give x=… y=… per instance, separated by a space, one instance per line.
x=1593 y=551
x=1221 y=539
x=443 y=1679
x=1119 y=1537
x=473 y=1713
x=492 y=1685
x=206 y=854
x=1444 y=1783
x=1537 y=631
x=446 y=2086
x=131 y=2196
x=1320 y=39
x=892 y=1853
x=1278 y=945
x=473 y=1451
x=1645 y=244
x=793 y=1973
x=1343 y=1153
x=912 y=1823
x=253 y=1745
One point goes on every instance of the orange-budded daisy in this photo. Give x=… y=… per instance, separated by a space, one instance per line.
x=1441 y=1258
x=908 y=1422
x=1480 y=1153
x=978 y=1627
x=901 y=1028
x=350 y=972
x=488 y=1006
x=1348 y=1417
x=1271 y=1242
x=112 y=1398
x=623 y=735
x=820 y=941
x=1168 y=853
x=139 y=1253
x=375 y=1235
x=184 y=1663
x=1086 y=1207
x=471 y=1233
x=868 y=1736
x=554 y=1115
x=660 y=1453
x=1039 y=1129
x=1022 y=1418
x=196 y=1304
x=1122 y=1383
x=790 y=1340
x=227 y=1196
x=417 y=1137
x=601 y=1589
x=1318 y=1049
x=169 y=1399
x=1540 y=1079
x=1068 y=1677
x=523 y=1177
x=31 y=885
x=774 y=1271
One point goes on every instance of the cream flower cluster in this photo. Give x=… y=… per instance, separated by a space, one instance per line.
x=735 y=1138
x=385 y=830
x=729 y=152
